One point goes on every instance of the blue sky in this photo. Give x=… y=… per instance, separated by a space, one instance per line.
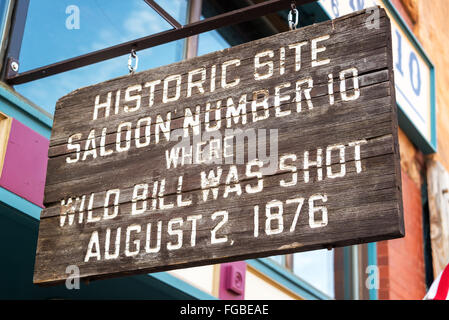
x=103 y=23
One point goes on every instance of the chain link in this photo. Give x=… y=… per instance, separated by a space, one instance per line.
x=293 y=24
x=133 y=55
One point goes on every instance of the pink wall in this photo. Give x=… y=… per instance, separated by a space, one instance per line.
x=232 y=281
x=25 y=164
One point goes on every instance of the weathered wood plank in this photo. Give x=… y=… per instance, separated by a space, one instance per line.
x=331 y=177
x=370 y=45
x=366 y=82
x=378 y=148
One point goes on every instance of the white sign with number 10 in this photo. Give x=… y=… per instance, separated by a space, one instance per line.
x=412 y=73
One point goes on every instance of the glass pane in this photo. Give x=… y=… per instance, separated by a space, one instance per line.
x=102 y=24
x=52 y=32
x=278 y=259
x=211 y=41
x=317 y=268
x=176 y=8
x=3 y=16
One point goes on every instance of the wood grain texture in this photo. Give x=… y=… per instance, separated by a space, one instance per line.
x=5 y=128
x=438 y=191
x=363 y=204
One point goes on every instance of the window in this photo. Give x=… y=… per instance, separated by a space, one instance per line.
x=211 y=41
x=3 y=17
x=279 y=260
x=48 y=39
x=317 y=268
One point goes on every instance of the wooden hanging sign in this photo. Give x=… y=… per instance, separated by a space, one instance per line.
x=284 y=144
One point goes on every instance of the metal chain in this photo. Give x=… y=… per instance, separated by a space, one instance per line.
x=293 y=24
x=133 y=55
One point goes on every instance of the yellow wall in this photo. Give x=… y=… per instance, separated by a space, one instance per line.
x=199 y=277
x=260 y=287
x=5 y=127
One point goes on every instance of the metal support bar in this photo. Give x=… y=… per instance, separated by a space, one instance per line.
x=194 y=15
x=11 y=63
x=6 y=13
x=164 y=14
x=222 y=20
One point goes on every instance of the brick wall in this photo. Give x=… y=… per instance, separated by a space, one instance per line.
x=408 y=9
x=432 y=32
x=401 y=261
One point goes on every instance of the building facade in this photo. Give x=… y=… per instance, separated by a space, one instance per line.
x=49 y=32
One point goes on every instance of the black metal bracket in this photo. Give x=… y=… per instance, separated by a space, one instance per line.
x=11 y=62
x=11 y=67
x=178 y=32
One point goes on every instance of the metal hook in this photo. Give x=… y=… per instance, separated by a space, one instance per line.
x=132 y=55
x=292 y=24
